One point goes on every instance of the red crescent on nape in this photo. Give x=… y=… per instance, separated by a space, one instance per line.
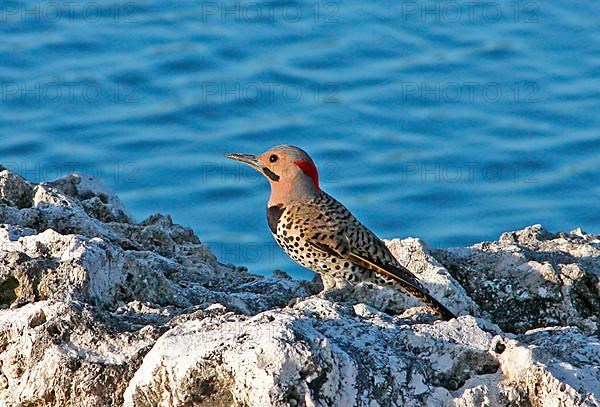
x=310 y=170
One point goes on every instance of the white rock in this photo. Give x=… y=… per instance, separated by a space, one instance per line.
x=97 y=310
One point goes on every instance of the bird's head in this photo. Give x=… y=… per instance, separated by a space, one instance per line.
x=290 y=170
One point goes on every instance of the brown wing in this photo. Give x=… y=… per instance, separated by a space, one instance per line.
x=342 y=235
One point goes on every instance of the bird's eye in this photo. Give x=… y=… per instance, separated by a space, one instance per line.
x=273 y=158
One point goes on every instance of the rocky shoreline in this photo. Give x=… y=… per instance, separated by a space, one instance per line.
x=99 y=310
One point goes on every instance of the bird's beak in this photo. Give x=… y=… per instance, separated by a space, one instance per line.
x=249 y=159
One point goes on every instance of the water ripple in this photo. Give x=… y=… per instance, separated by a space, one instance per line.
x=391 y=106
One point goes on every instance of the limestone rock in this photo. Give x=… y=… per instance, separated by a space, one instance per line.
x=532 y=278
x=97 y=309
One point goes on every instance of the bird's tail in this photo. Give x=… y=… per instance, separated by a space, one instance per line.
x=438 y=307
x=406 y=280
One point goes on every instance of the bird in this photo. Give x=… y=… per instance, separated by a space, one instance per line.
x=321 y=234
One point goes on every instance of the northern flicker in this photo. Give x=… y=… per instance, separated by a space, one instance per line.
x=322 y=235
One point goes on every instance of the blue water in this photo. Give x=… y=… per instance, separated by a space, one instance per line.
x=443 y=120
